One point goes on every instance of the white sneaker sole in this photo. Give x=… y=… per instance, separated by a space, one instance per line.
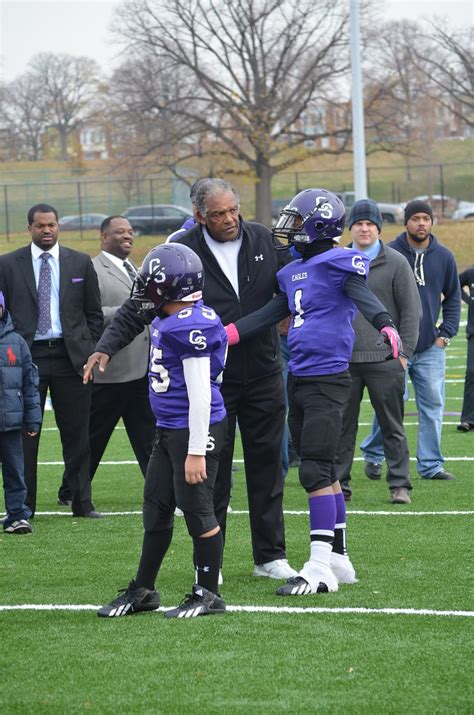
x=282 y=575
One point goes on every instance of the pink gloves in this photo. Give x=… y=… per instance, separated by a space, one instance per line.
x=233 y=336
x=392 y=338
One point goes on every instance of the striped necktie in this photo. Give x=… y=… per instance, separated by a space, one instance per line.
x=130 y=270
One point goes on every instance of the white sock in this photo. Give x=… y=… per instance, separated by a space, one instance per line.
x=321 y=552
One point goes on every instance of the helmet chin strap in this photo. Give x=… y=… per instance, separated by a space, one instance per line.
x=308 y=250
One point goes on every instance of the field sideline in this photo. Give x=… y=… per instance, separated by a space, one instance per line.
x=398 y=641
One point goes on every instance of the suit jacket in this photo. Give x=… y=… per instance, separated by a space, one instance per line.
x=79 y=300
x=130 y=363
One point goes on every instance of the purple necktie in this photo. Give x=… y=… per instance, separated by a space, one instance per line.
x=44 y=295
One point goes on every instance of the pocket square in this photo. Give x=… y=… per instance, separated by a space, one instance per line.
x=77 y=280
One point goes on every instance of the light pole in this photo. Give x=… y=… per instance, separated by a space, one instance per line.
x=358 y=137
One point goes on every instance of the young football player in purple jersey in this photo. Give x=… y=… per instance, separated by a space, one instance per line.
x=187 y=357
x=322 y=290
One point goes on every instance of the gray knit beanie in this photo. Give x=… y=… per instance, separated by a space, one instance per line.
x=366 y=210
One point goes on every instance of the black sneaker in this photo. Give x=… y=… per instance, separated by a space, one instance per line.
x=200 y=602
x=21 y=526
x=373 y=470
x=134 y=599
x=64 y=502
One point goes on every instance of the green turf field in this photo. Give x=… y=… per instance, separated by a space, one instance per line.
x=399 y=641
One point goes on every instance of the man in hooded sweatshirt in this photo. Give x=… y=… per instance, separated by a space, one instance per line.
x=436 y=276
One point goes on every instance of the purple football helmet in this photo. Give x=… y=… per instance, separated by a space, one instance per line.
x=312 y=215
x=170 y=272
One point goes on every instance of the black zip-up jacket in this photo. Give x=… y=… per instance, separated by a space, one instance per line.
x=258 y=263
x=466 y=280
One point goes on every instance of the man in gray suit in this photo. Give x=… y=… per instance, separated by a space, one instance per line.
x=122 y=391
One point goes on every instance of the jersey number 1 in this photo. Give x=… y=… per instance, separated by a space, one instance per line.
x=299 y=312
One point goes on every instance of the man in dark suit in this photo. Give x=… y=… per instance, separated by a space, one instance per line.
x=53 y=296
x=122 y=391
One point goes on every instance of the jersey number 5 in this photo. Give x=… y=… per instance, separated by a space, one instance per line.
x=161 y=382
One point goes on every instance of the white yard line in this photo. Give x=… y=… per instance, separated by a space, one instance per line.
x=239 y=461
x=260 y=609
x=287 y=512
x=361 y=424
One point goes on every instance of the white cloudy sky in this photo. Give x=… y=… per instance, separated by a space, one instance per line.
x=83 y=27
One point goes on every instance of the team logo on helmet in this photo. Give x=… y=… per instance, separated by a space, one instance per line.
x=156 y=271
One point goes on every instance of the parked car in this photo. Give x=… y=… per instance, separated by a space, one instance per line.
x=464 y=210
x=443 y=206
x=156 y=218
x=391 y=213
x=88 y=221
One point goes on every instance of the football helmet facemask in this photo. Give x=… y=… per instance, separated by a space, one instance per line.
x=170 y=272
x=312 y=215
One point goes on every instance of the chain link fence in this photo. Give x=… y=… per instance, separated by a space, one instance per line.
x=112 y=195
x=394 y=184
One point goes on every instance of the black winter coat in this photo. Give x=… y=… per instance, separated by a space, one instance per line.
x=257 y=269
x=258 y=265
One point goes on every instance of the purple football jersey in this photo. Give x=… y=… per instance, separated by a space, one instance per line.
x=321 y=337
x=193 y=332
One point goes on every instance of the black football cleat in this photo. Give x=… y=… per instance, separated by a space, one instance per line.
x=133 y=599
x=200 y=602
x=295 y=586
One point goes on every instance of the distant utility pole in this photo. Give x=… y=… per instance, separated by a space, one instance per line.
x=358 y=137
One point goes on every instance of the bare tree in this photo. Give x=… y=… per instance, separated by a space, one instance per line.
x=24 y=109
x=67 y=86
x=447 y=61
x=418 y=84
x=395 y=92
x=238 y=74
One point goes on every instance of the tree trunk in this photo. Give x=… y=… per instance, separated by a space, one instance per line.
x=263 y=192
x=63 y=138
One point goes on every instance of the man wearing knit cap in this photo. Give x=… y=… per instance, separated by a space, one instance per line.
x=392 y=281
x=435 y=273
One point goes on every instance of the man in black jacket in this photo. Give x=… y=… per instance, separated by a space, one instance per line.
x=466 y=280
x=240 y=265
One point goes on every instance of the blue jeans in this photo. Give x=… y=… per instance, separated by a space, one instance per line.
x=427 y=373
x=14 y=488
